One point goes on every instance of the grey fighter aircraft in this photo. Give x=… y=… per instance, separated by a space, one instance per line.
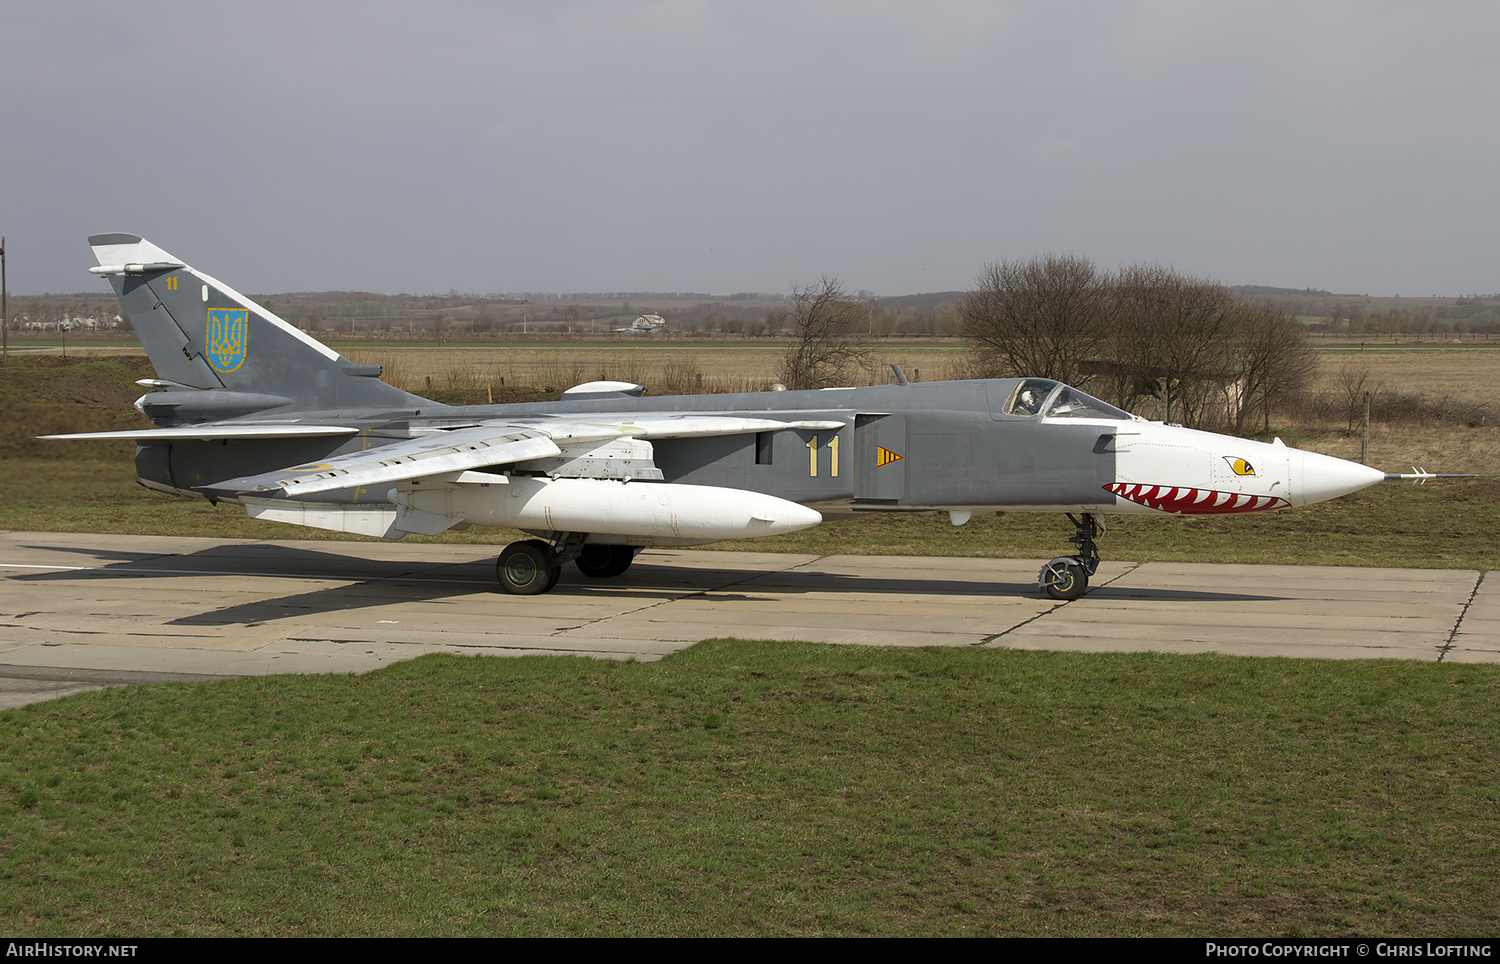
x=248 y=409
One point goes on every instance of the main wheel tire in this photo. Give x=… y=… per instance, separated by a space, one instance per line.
x=1065 y=580
x=604 y=562
x=526 y=569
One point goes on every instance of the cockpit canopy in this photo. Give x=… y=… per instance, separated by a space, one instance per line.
x=1049 y=399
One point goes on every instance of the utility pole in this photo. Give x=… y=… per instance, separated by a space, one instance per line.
x=4 y=311
x=1364 y=442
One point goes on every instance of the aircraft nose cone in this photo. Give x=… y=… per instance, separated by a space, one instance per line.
x=1324 y=477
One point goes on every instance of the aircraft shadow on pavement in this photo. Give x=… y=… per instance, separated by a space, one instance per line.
x=642 y=585
x=367 y=583
x=1109 y=593
x=362 y=582
x=723 y=582
x=267 y=559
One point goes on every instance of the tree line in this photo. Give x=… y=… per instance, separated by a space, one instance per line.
x=1144 y=337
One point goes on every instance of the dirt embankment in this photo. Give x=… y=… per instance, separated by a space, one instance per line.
x=49 y=395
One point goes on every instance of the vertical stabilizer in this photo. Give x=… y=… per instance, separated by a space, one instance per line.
x=202 y=333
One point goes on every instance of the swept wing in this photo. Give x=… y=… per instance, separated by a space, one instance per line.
x=490 y=445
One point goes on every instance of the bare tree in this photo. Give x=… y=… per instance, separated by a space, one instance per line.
x=1043 y=317
x=1351 y=385
x=1270 y=358
x=824 y=321
x=1173 y=332
x=1203 y=354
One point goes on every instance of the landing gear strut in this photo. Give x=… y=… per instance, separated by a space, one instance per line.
x=1067 y=577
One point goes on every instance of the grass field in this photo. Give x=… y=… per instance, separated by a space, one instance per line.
x=1469 y=373
x=765 y=789
x=742 y=788
x=667 y=367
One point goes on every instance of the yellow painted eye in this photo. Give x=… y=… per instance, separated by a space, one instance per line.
x=1241 y=467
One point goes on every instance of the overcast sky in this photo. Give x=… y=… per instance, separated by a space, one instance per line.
x=724 y=147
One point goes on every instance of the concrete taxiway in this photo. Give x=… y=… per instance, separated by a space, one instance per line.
x=82 y=611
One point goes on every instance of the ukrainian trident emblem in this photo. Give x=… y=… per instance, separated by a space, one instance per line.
x=226 y=338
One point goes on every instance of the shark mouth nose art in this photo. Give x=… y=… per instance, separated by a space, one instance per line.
x=1190 y=501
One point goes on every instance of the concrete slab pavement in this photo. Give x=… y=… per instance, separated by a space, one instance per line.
x=80 y=610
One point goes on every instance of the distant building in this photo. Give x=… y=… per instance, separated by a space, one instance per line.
x=645 y=324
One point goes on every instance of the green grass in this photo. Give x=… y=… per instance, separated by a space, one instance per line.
x=756 y=788
x=765 y=789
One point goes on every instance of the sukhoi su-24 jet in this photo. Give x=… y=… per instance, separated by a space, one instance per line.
x=248 y=409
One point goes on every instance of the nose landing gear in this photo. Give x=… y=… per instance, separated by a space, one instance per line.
x=1067 y=577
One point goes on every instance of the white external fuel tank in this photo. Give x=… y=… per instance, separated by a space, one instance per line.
x=661 y=510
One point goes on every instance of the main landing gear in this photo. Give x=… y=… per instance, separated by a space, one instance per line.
x=534 y=566
x=605 y=562
x=1067 y=577
x=527 y=568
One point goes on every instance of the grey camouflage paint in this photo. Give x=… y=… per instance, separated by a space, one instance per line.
x=955 y=447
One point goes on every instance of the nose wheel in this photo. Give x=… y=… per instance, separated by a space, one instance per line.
x=1062 y=578
x=1067 y=577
